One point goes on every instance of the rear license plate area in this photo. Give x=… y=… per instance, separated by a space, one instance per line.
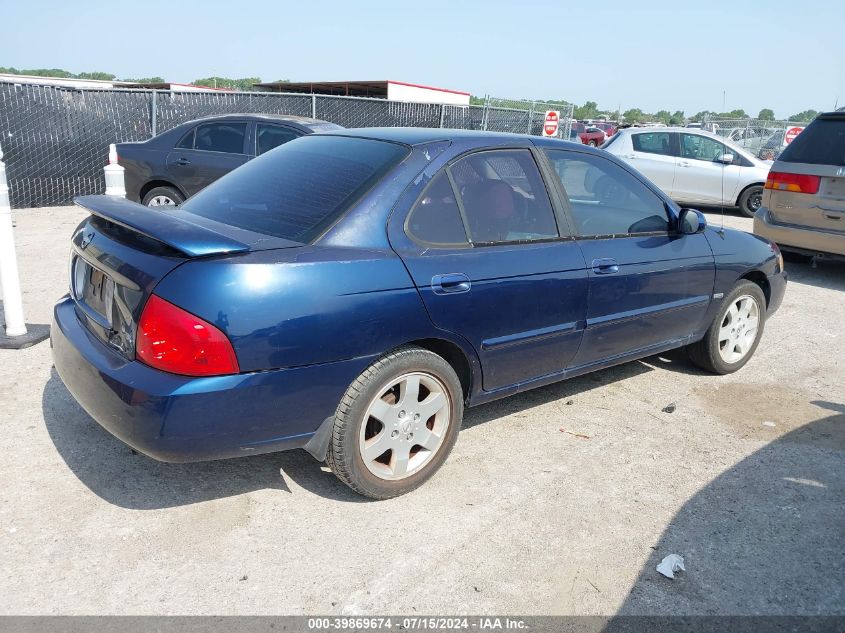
x=94 y=289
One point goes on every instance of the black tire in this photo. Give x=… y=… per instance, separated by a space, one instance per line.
x=344 y=452
x=592 y=143
x=706 y=352
x=750 y=200
x=163 y=192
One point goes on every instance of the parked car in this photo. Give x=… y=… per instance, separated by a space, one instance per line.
x=589 y=134
x=693 y=166
x=170 y=167
x=349 y=293
x=609 y=129
x=804 y=200
x=776 y=142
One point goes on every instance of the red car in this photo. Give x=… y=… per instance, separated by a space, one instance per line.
x=608 y=128
x=589 y=134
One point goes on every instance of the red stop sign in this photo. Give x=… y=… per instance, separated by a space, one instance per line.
x=791 y=133
x=551 y=123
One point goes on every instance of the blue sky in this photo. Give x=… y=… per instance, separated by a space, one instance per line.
x=787 y=56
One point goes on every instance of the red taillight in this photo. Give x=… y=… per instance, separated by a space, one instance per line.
x=799 y=183
x=178 y=342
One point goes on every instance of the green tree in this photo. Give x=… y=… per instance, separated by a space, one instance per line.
x=245 y=83
x=664 y=116
x=803 y=117
x=589 y=110
x=96 y=75
x=634 y=115
x=766 y=114
x=147 y=80
x=699 y=116
x=677 y=118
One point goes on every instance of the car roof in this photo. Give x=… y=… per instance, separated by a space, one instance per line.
x=422 y=135
x=275 y=118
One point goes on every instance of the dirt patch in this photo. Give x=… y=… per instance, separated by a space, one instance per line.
x=767 y=413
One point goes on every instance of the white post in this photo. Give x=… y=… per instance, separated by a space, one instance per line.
x=114 y=175
x=9 y=279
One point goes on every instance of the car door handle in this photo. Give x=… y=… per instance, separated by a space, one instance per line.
x=606 y=266
x=683 y=163
x=450 y=283
x=183 y=162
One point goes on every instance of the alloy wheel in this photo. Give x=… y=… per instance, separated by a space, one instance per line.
x=405 y=425
x=738 y=330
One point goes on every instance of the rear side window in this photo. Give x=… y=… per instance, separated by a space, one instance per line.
x=821 y=143
x=436 y=217
x=299 y=190
x=652 y=143
x=271 y=136
x=504 y=198
x=227 y=138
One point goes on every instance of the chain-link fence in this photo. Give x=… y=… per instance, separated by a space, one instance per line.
x=56 y=139
x=763 y=138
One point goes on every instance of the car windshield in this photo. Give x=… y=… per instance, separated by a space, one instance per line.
x=822 y=143
x=299 y=189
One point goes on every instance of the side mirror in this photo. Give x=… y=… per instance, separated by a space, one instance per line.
x=691 y=221
x=727 y=159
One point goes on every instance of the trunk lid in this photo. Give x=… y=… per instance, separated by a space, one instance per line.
x=121 y=252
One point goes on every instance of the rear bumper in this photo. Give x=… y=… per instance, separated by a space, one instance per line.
x=802 y=238
x=182 y=419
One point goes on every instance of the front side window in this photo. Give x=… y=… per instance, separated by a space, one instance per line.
x=652 y=143
x=227 y=138
x=606 y=199
x=503 y=197
x=703 y=148
x=271 y=136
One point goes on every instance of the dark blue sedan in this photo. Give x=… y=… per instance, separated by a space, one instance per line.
x=350 y=293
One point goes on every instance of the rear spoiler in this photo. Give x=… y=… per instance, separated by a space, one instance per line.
x=171 y=227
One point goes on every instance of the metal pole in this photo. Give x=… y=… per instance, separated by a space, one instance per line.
x=313 y=106
x=154 y=114
x=9 y=278
x=530 y=117
x=486 y=112
x=442 y=114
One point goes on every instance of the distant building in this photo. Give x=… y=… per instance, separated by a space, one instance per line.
x=67 y=82
x=387 y=89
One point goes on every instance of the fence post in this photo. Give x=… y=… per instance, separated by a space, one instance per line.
x=442 y=114
x=485 y=113
x=530 y=117
x=16 y=336
x=154 y=114
x=313 y=106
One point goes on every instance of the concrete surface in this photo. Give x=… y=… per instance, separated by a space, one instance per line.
x=523 y=518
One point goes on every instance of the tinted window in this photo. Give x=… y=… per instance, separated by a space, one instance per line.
x=504 y=198
x=701 y=147
x=652 y=143
x=187 y=141
x=221 y=137
x=821 y=143
x=436 y=218
x=299 y=190
x=271 y=136
x=606 y=199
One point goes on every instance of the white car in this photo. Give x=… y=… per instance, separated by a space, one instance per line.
x=693 y=166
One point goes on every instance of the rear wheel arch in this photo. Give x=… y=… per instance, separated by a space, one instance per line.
x=152 y=184
x=453 y=354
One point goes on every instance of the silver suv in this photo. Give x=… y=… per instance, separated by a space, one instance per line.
x=803 y=206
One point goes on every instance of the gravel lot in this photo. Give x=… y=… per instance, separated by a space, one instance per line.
x=745 y=479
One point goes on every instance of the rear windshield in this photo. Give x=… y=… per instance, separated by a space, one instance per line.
x=299 y=189
x=822 y=143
